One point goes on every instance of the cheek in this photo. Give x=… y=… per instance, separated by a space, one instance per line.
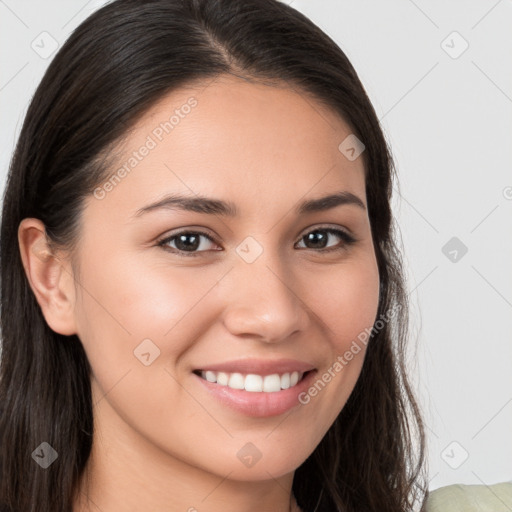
x=127 y=301
x=134 y=301
x=346 y=300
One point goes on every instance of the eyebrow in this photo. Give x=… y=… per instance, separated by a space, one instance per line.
x=212 y=206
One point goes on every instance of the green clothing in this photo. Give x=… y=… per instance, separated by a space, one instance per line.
x=471 y=498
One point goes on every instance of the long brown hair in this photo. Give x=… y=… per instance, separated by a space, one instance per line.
x=115 y=65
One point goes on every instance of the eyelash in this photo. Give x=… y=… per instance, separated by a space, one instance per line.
x=347 y=241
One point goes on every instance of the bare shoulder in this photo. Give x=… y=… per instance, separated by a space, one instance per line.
x=469 y=498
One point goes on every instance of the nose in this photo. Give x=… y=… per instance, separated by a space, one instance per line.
x=262 y=302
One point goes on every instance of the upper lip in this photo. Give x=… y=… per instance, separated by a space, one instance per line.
x=260 y=366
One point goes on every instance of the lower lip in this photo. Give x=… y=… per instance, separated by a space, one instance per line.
x=258 y=404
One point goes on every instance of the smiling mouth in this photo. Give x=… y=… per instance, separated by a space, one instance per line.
x=253 y=382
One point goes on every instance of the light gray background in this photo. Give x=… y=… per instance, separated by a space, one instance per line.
x=448 y=119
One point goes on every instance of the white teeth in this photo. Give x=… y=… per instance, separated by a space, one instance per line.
x=285 y=380
x=222 y=378
x=253 y=382
x=210 y=376
x=236 y=381
x=272 y=383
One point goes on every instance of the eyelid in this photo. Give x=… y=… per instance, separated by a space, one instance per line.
x=348 y=238
x=180 y=231
x=335 y=227
x=346 y=235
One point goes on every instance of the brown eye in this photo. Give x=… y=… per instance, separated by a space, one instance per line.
x=318 y=239
x=186 y=242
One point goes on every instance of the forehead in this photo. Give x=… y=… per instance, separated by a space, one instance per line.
x=230 y=136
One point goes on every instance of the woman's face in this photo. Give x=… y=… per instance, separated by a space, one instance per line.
x=262 y=297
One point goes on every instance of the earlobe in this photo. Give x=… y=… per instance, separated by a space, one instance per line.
x=49 y=277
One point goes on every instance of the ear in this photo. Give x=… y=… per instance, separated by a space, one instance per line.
x=50 y=277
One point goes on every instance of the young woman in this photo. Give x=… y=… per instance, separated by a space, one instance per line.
x=203 y=306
